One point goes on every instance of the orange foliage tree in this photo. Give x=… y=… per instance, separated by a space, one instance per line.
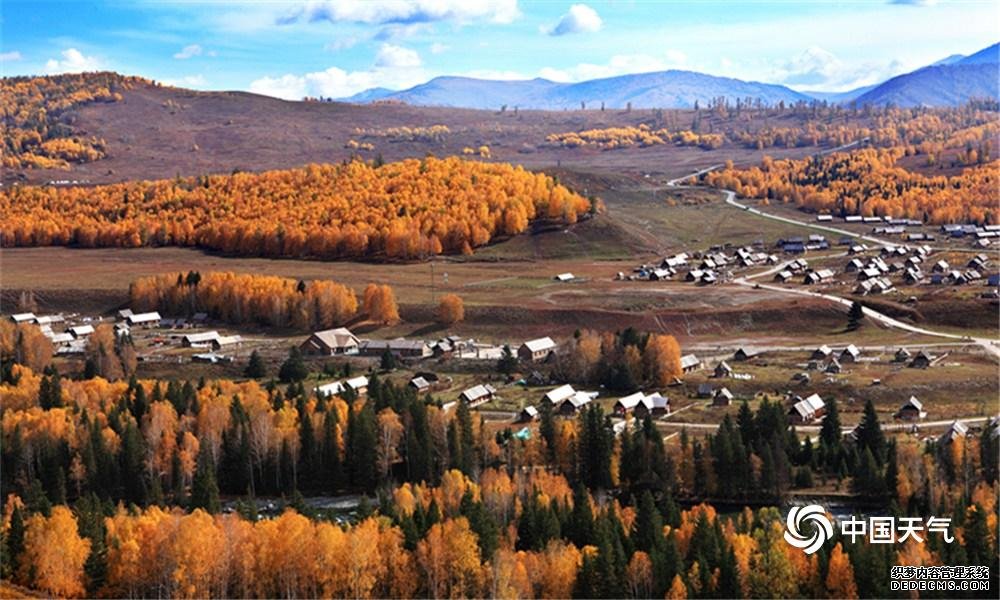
x=409 y=209
x=450 y=310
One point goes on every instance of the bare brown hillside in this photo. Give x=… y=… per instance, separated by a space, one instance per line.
x=159 y=132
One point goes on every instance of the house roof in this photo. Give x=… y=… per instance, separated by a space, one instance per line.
x=357 y=382
x=419 y=383
x=852 y=350
x=81 y=330
x=724 y=366
x=147 y=317
x=689 y=360
x=531 y=411
x=808 y=407
x=23 y=317
x=631 y=401
x=540 y=344
x=724 y=392
x=201 y=338
x=336 y=338
x=477 y=391
x=914 y=403
x=559 y=394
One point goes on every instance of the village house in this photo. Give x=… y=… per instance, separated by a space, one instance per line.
x=49 y=320
x=833 y=367
x=783 y=276
x=705 y=390
x=557 y=395
x=225 y=340
x=536 y=350
x=478 y=394
x=199 y=340
x=640 y=405
x=957 y=430
x=528 y=413
x=821 y=353
x=854 y=265
x=849 y=354
x=420 y=384
x=564 y=277
x=145 y=320
x=399 y=347
x=81 y=331
x=358 y=385
x=746 y=353
x=653 y=405
x=941 y=266
x=331 y=342
x=23 y=317
x=690 y=363
x=814 y=277
x=573 y=404
x=911 y=410
x=722 y=397
x=627 y=404
x=922 y=360
x=807 y=410
x=723 y=370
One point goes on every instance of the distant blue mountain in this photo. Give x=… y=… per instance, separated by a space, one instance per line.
x=841 y=97
x=986 y=55
x=948 y=82
x=938 y=85
x=664 y=89
x=369 y=95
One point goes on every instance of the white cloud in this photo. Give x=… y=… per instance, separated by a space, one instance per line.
x=73 y=61
x=343 y=43
x=438 y=48
x=188 y=81
x=620 y=64
x=382 y=12
x=188 y=51
x=580 y=19
x=820 y=70
x=10 y=56
x=391 y=56
x=395 y=67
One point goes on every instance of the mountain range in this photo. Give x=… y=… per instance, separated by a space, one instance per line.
x=948 y=82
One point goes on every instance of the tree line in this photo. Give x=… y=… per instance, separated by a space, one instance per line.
x=404 y=210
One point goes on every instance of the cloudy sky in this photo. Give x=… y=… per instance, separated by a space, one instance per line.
x=336 y=48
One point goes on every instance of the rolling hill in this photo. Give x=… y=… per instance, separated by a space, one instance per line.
x=663 y=89
x=938 y=85
x=948 y=82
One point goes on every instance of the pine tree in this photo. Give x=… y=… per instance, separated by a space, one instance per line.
x=256 y=369
x=204 y=490
x=333 y=472
x=854 y=316
x=648 y=528
x=507 y=363
x=581 y=521
x=869 y=433
x=294 y=368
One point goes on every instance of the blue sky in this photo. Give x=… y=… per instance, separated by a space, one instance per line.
x=339 y=47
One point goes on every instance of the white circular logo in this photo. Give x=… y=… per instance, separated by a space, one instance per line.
x=797 y=517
